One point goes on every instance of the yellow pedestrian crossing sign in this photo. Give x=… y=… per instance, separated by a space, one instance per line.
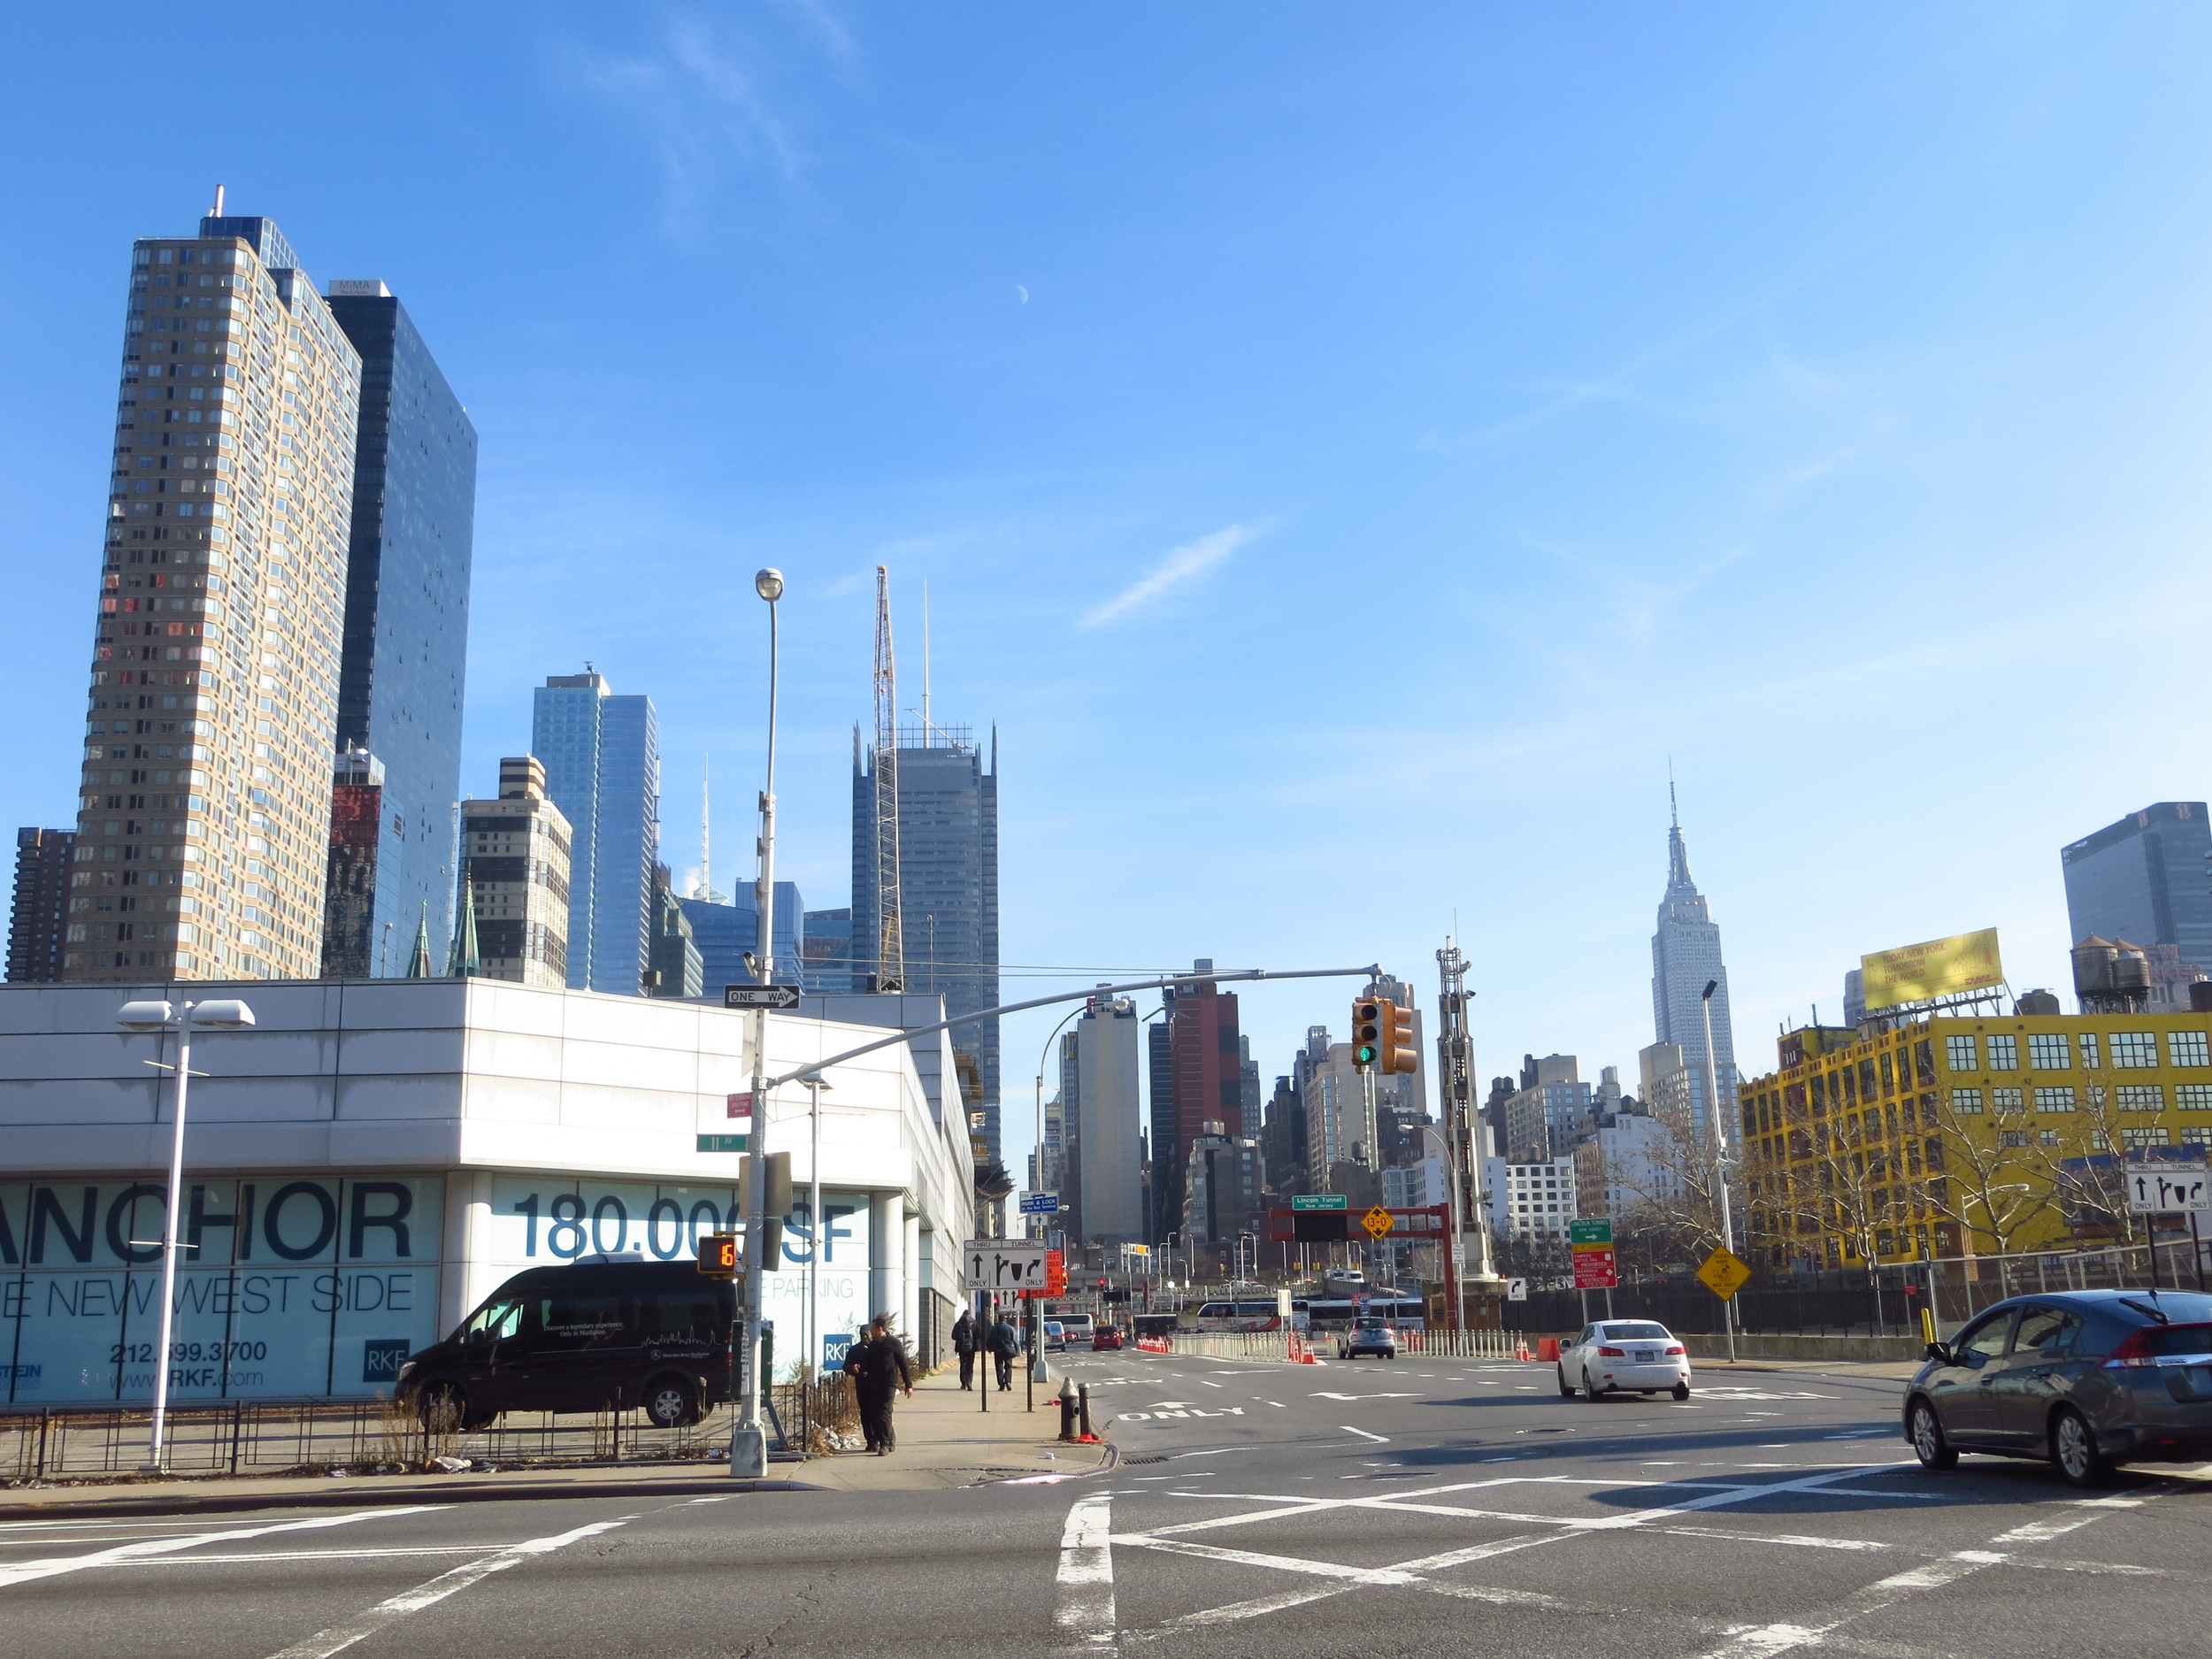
x=1724 y=1274
x=1377 y=1221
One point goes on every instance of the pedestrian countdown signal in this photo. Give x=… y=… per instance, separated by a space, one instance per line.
x=718 y=1255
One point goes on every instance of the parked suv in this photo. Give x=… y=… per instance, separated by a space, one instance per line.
x=2087 y=1378
x=608 y=1336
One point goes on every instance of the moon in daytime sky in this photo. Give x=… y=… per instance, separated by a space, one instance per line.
x=1023 y=292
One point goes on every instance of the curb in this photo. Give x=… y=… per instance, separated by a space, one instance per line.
x=355 y=1498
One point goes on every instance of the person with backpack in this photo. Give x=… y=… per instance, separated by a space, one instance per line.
x=879 y=1368
x=1006 y=1345
x=963 y=1344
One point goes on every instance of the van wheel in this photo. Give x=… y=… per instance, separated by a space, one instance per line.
x=671 y=1403
x=445 y=1408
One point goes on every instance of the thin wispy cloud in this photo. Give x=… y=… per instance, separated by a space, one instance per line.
x=1186 y=564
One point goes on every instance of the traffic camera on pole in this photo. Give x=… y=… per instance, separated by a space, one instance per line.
x=1367 y=1030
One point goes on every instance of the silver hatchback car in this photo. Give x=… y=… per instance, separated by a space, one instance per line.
x=2086 y=1378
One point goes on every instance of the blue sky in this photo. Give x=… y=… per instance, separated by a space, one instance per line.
x=1349 y=450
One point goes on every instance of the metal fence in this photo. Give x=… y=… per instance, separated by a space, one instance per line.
x=1859 y=1302
x=1290 y=1345
x=245 y=1438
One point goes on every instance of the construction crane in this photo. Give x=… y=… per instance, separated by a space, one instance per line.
x=890 y=976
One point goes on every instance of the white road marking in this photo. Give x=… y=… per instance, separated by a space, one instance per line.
x=1085 y=1609
x=1769 y=1639
x=1327 y=1395
x=327 y=1555
x=50 y=1566
x=337 y=1638
x=1380 y=1439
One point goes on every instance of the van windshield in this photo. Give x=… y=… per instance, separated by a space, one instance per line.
x=493 y=1320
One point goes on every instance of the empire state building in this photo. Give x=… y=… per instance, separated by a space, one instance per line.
x=1685 y=958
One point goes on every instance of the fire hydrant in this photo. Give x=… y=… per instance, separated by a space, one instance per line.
x=1067 y=1409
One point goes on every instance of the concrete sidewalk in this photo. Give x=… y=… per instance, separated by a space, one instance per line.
x=944 y=1439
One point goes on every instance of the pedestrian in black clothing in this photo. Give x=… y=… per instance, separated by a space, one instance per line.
x=879 y=1368
x=963 y=1344
x=1006 y=1343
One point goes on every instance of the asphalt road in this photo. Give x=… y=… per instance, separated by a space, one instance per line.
x=1382 y=1508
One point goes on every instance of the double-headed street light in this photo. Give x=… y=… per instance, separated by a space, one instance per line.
x=225 y=1014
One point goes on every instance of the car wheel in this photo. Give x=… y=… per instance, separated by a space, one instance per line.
x=1929 y=1444
x=1566 y=1388
x=2075 y=1450
x=671 y=1403
x=1682 y=1390
x=1590 y=1390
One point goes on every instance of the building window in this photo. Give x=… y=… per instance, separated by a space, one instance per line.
x=2187 y=1047
x=1966 y=1102
x=2049 y=1052
x=2012 y=1137
x=2054 y=1100
x=2135 y=1050
x=2139 y=1097
x=2193 y=1097
x=1963 y=1054
x=2008 y=1100
x=2004 y=1054
x=2143 y=1137
x=2089 y=1059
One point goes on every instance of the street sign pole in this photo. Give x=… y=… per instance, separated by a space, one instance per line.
x=1720 y=1158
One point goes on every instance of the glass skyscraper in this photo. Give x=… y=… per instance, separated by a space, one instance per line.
x=725 y=932
x=403 y=662
x=947 y=886
x=2144 y=880
x=603 y=769
x=1685 y=958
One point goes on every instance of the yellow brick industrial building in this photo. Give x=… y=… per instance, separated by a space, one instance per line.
x=1967 y=1136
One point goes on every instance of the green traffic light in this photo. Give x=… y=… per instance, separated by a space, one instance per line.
x=1364 y=1054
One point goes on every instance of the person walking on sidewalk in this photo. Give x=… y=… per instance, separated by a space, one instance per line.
x=1006 y=1343
x=963 y=1344
x=879 y=1368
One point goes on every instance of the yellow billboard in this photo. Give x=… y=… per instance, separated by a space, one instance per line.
x=1941 y=967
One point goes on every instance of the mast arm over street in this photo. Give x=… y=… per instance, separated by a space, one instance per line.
x=815 y=1067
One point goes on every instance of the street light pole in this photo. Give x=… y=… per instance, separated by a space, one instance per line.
x=749 y=1442
x=157 y=1016
x=1720 y=1158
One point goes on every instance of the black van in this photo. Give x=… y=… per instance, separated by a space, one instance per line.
x=592 y=1336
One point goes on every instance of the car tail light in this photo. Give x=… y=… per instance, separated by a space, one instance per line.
x=1677 y=1348
x=2145 y=1346
x=1612 y=1353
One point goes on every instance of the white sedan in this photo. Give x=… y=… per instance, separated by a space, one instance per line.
x=1633 y=1355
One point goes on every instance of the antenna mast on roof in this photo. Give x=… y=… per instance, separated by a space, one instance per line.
x=890 y=952
x=217 y=210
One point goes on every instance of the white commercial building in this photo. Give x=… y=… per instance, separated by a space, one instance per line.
x=1529 y=1200
x=1105 y=1154
x=376 y=1157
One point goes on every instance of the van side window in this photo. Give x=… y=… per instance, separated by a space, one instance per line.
x=678 y=1313
x=580 y=1319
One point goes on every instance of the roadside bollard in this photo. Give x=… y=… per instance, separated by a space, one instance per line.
x=1067 y=1409
x=1083 y=1410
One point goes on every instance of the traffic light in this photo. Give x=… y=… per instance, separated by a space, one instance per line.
x=718 y=1255
x=1367 y=1032
x=1398 y=1052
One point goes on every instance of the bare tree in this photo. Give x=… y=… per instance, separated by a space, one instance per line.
x=1986 y=1173
x=1673 y=1213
